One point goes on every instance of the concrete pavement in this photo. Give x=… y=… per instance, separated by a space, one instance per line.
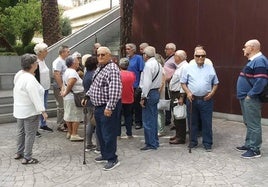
x=61 y=161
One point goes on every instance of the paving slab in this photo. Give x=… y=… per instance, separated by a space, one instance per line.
x=61 y=161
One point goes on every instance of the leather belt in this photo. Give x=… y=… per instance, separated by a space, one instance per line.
x=199 y=97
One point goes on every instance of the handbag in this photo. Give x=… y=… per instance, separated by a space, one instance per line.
x=163 y=104
x=179 y=112
x=78 y=97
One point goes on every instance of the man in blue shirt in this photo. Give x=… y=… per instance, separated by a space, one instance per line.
x=250 y=83
x=136 y=65
x=200 y=83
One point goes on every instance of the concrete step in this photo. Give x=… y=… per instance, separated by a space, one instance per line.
x=9 y=118
x=8 y=108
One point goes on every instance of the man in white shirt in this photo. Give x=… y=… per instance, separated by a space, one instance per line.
x=58 y=68
x=150 y=83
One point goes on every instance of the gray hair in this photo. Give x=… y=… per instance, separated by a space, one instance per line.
x=63 y=48
x=40 y=47
x=144 y=45
x=254 y=43
x=123 y=63
x=105 y=49
x=69 y=61
x=159 y=59
x=132 y=46
x=181 y=54
x=171 y=46
x=149 y=51
x=27 y=60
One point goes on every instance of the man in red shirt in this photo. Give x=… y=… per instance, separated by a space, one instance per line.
x=127 y=78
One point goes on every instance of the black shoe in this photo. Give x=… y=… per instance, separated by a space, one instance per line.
x=38 y=134
x=147 y=148
x=46 y=128
x=111 y=165
x=191 y=145
x=208 y=149
x=241 y=149
x=100 y=160
x=138 y=127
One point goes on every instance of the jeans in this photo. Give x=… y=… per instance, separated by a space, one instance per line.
x=200 y=109
x=106 y=128
x=42 y=122
x=251 y=110
x=26 y=131
x=149 y=117
x=127 y=113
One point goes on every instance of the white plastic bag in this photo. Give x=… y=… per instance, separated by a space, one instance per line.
x=179 y=111
x=163 y=104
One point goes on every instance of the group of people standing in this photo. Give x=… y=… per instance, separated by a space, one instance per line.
x=132 y=87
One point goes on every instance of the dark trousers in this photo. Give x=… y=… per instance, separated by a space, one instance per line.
x=137 y=108
x=127 y=113
x=107 y=128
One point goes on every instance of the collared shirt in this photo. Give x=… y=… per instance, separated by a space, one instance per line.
x=149 y=72
x=106 y=88
x=136 y=65
x=199 y=79
x=174 y=84
x=170 y=66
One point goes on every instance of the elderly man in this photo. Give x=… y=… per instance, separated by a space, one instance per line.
x=150 y=83
x=105 y=93
x=200 y=83
x=59 y=67
x=143 y=46
x=136 y=65
x=250 y=83
x=169 y=67
x=176 y=92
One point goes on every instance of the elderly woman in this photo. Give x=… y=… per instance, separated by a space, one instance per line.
x=72 y=83
x=28 y=105
x=43 y=77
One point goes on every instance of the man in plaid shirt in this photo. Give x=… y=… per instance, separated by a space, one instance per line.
x=105 y=95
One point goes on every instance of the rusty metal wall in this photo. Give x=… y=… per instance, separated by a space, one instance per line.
x=222 y=26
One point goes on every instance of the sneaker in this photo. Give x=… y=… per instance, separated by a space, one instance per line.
x=251 y=154
x=100 y=160
x=38 y=134
x=97 y=151
x=111 y=165
x=90 y=148
x=46 y=128
x=76 y=138
x=147 y=148
x=208 y=149
x=138 y=126
x=191 y=145
x=241 y=149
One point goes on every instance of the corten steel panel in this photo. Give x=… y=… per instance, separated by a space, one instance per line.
x=221 y=26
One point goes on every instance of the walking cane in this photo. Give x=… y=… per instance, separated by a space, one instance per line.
x=85 y=129
x=190 y=125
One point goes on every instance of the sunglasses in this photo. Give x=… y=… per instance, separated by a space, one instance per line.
x=198 y=56
x=102 y=55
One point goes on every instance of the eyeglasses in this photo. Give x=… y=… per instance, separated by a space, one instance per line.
x=102 y=55
x=198 y=56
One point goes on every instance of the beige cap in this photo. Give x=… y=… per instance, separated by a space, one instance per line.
x=84 y=58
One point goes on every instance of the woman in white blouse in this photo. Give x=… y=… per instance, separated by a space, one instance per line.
x=72 y=83
x=28 y=105
x=43 y=77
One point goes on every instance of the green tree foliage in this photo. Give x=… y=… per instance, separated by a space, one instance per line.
x=22 y=20
x=65 y=25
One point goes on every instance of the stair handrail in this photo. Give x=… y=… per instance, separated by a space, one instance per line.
x=83 y=28
x=94 y=33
